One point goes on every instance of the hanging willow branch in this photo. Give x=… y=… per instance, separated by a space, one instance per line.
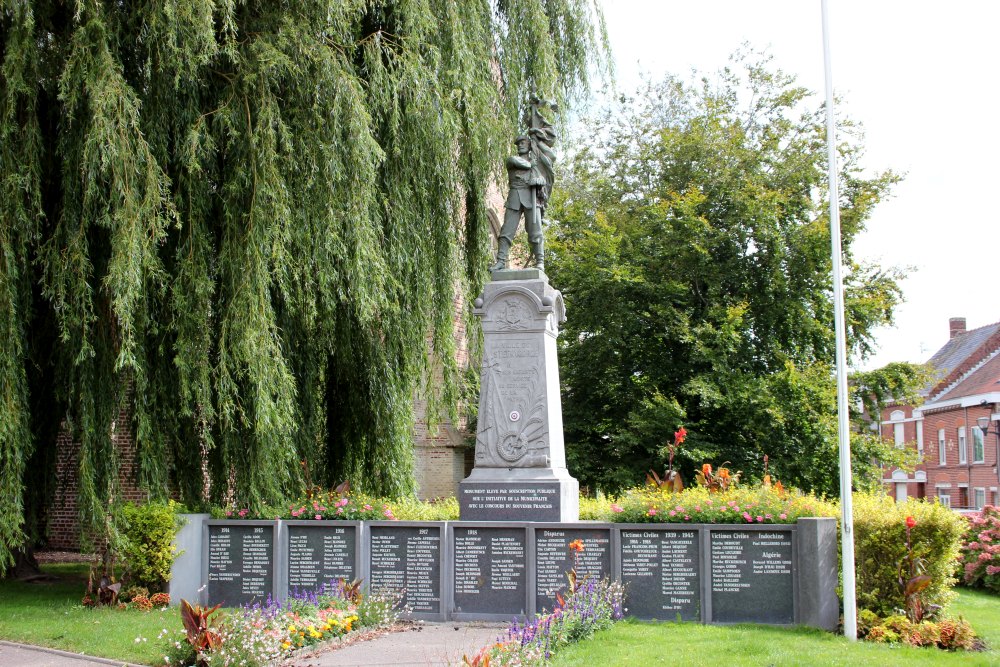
x=257 y=216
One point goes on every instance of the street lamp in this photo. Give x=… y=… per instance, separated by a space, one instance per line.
x=984 y=425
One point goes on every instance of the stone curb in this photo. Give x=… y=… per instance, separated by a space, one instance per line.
x=68 y=654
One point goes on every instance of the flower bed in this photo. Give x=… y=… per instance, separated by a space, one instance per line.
x=701 y=505
x=589 y=606
x=265 y=634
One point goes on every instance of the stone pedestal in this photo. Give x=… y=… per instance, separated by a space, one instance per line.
x=520 y=466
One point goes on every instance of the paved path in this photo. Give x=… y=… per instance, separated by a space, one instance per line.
x=426 y=644
x=22 y=655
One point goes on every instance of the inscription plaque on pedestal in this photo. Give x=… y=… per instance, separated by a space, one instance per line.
x=661 y=572
x=490 y=571
x=752 y=576
x=320 y=553
x=553 y=560
x=408 y=557
x=240 y=562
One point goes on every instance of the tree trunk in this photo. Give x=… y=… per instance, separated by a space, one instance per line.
x=25 y=566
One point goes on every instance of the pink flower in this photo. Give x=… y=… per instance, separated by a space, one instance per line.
x=340 y=510
x=708 y=502
x=673 y=512
x=697 y=508
x=760 y=519
x=229 y=512
x=782 y=516
x=319 y=516
x=768 y=517
x=747 y=517
x=244 y=512
x=679 y=508
x=651 y=512
x=368 y=507
x=687 y=517
x=616 y=508
x=736 y=508
x=388 y=513
x=732 y=503
x=992 y=569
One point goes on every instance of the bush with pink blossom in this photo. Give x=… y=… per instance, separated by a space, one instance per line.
x=981 y=550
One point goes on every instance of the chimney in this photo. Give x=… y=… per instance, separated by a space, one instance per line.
x=956 y=325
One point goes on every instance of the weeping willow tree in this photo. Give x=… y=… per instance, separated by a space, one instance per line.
x=247 y=221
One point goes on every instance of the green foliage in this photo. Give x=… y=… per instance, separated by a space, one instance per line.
x=880 y=551
x=145 y=544
x=981 y=550
x=693 y=249
x=255 y=216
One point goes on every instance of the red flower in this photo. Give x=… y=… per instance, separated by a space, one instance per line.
x=679 y=435
x=910 y=522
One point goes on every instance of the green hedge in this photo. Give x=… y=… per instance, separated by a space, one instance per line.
x=880 y=547
x=145 y=543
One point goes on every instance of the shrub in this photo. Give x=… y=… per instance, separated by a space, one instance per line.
x=946 y=633
x=133 y=592
x=142 y=603
x=146 y=543
x=981 y=550
x=880 y=551
x=160 y=599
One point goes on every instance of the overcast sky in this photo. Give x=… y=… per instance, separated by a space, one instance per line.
x=922 y=78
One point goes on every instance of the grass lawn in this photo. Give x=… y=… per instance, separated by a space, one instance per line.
x=50 y=614
x=643 y=643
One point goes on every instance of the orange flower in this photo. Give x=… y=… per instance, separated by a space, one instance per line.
x=706 y=469
x=576 y=545
x=724 y=473
x=679 y=435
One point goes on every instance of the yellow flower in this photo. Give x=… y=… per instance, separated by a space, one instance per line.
x=285 y=646
x=291 y=628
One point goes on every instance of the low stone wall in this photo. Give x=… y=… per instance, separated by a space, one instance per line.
x=713 y=573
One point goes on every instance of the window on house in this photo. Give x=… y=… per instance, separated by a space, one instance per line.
x=942 y=450
x=944 y=499
x=978 y=498
x=920 y=439
x=897 y=435
x=963 y=456
x=963 y=496
x=977 y=445
x=996 y=498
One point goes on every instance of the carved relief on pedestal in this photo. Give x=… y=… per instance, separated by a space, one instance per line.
x=512 y=428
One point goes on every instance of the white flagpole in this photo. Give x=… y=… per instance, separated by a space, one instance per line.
x=843 y=423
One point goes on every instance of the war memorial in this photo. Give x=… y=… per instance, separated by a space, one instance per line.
x=508 y=554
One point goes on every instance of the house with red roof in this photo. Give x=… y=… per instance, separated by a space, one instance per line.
x=957 y=427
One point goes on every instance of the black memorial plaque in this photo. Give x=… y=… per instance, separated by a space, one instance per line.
x=407 y=558
x=490 y=572
x=752 y=576
x=660 y=570
x=510 y=501
x=553 y=560
x=240 y=563
x=321 y=554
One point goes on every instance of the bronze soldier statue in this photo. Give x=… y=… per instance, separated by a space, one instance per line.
x=530 y=175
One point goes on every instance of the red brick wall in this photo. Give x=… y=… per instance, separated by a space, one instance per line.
x=969 y=474
x=64 y=518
